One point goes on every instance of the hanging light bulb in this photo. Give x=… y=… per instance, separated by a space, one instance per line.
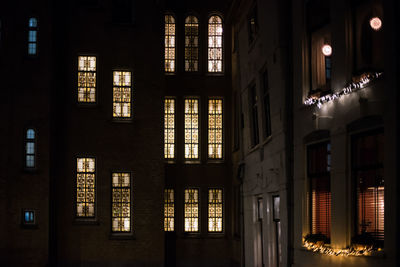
x=375 y=23
x=327 y=50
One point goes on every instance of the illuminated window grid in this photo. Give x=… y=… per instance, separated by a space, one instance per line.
x=85 y=187
x=30 y=148
x=215 y=44
x=215 y=128
x=191 y=210
x=169 y=128
x=191 y=129
x=215 y=214
x=121 y=202
x=169 y=210
x=169 y=39
x=122 y=87
x=86 y=79
x=191 y=43
x=32 y=36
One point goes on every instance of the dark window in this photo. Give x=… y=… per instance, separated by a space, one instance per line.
x=367 y=159
x=266 y=105
x=122 y=11
x=318 y=170
x=252 y=24
x=254 y=116
x=236 y=121
x=191 y=43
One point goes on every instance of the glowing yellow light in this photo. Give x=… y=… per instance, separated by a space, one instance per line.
x=375 y=23
x=121 y=202
x=327 y=50
x=215 y=128
x=169 y=210
x=191 y=210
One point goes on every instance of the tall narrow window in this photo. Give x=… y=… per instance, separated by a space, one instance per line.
x=121 y=202
x=191 y=43
x=169 y=210
x=215 y=128
x=252 y=24
x=32 y=36
x=254 y=115
x=367 y=157
x=215 y=44
x=169 y=128
x=169 y=42
x=319 y=161
x=191 y=128
x=266 y=105
x=85 y=187
x=122 y=85
x=86 y=79
x=215 y=213
x=30 y=148
x=191 y=210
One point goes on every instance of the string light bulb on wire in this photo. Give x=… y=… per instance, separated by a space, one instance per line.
x=327 y=50
x=375 y=23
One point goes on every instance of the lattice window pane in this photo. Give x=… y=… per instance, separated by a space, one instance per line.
x=169 y=210
x=169 y=39
x=191 y=43
x=86 y=79
x=215 y=131
x=191 y=129
x=85 y=187
x=122 y=81
x=32 y=36
x=191 y=210
x=215 y=51
x=121 y=202
x=215 y=210
x=169 y=128
x=30 y=148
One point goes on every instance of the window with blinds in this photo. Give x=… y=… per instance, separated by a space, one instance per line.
x=318 y=170
x=367 y=159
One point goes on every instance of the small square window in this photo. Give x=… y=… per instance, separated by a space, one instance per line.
x=28 y=217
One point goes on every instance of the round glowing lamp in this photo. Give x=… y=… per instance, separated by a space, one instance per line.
x=327 y=50
x=375 y=23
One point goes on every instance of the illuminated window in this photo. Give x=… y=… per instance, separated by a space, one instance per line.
x=122 y=94
x=30 y=148
x=28 y=217
x=215 y=128
x=191 y=128
x=169 y=40
x=215 y=210
x=368 y=171
x=169 y=210
x=32 y=36
x=85 y=187
x=215 y=44
x=86 y=79
x=121 y=202
x=191 y=210
x=191 y=43
x=169 y=128
x=319 y=162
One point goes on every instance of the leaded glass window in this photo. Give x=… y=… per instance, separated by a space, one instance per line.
x=215 y=44
x=85 y=187
x=169 y=128
x=191 y=210
x=122 y=88
x=169 y=39
x=30 y=148
x=121 y=202
x=191 y=43
x=215 y=128
x=191 y=128
x=86 y=79
x=169 y=210
x=215 y=210
x=32 y=36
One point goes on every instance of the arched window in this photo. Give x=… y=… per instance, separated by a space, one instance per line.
x=32 y=36
x=169 y=37
x=191 y=43
x=215 y=44
x=30 y=149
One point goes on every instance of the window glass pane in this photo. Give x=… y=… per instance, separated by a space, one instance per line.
x=191 y=210
x=169 y=39
x=169 y=210
x=215 y=44
x=191 y=44
x=86 y=79
x=191 y=128
x=122 y=94
x=215 y=210
x=85 y=187
x=30 y=134
x=121 y=202
x=169 y=128
x=215 y=131
x=32 y=23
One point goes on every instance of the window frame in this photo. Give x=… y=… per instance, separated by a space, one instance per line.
x=199 y=44
x=198 y=232
x=171 y=160
x=222 y=72
x=96 y=97
x=222 y=232
x=36 y=29
x=170 y=13
x=34 y=140
x=121 y=118
x=80 y=219
x=198 y=159
x=174 y=214
x=222 y=159
x=253 y=107
x=266 y=92
x=29 y=225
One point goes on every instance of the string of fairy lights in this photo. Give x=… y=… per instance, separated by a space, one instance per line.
x=352 y=251
x=364 y=81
